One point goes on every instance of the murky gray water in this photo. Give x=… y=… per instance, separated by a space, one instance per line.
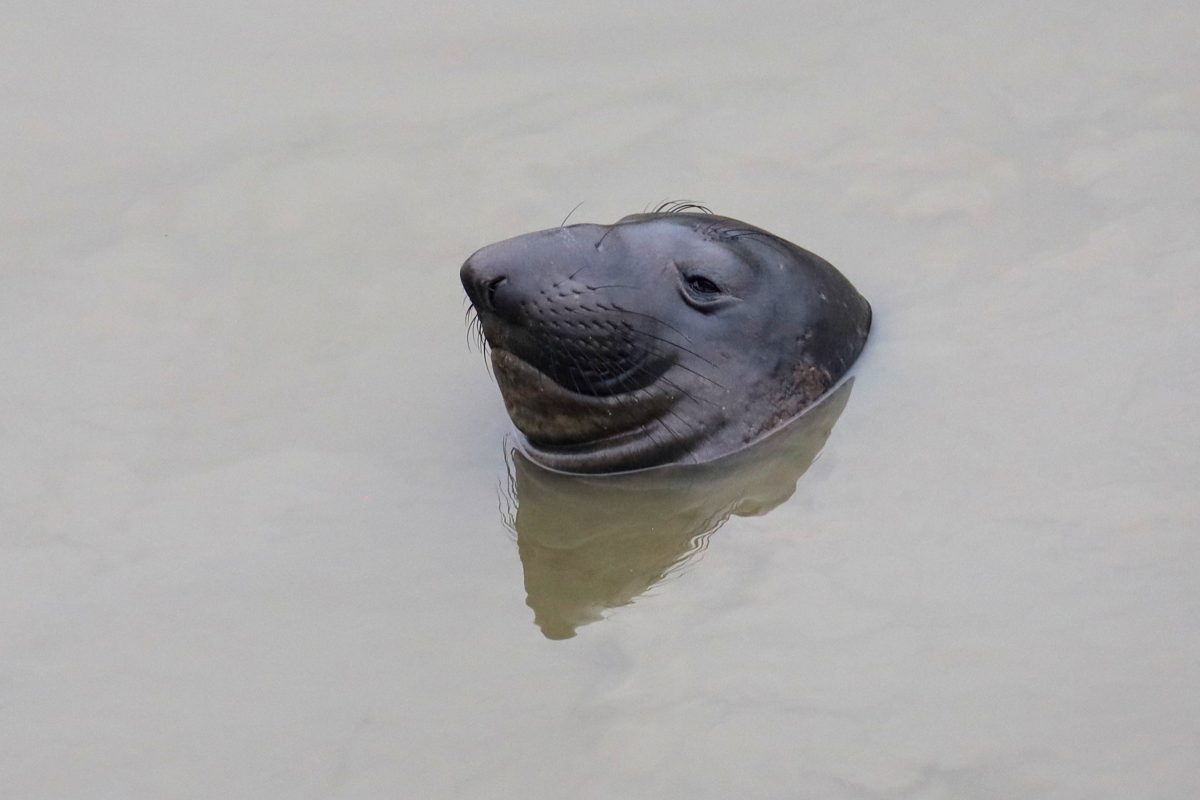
x=257 y=534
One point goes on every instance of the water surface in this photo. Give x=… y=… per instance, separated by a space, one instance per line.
x=253 y=491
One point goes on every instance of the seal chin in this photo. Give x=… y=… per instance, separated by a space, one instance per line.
x=551 y=415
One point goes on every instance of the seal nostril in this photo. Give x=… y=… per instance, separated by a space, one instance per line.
x=489 y=291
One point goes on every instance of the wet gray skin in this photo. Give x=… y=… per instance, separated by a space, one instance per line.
x=666 y=337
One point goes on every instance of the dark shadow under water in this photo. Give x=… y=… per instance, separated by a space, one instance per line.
x=589 y=543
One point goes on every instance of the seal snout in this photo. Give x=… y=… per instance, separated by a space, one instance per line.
x=488 y=295
x=499 y=287
x=482 y=280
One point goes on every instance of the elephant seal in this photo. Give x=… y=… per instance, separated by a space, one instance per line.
x=671 y=336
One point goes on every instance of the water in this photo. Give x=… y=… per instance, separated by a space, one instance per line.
x=254 y=494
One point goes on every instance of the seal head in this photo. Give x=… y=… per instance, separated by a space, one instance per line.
x=665 y=337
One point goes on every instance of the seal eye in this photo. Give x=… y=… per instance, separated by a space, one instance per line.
x=702 y=285
x=701 y=292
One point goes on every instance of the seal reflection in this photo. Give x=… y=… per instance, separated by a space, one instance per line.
x=589 y=543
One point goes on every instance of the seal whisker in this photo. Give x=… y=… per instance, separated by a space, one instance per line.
x=702 y=376
x=674 y=344
x=583 y=371
x=487 y=362
x=662 y=322
x=646 y=430
x=678 y=441
x=578 y=389
x=563 y=224
x=611 y=228
x=580 y=369
x=670 y=411
x=679 y=388
x=680 y=206
x=691 y=427
x=606 y=369
x=477 y=339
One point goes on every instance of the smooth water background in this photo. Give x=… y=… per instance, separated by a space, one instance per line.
x=251 y=543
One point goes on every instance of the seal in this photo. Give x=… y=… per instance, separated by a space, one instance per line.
x=671 y=336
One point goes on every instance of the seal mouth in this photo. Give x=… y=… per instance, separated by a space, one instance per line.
x=594 y=358
x=549 y=413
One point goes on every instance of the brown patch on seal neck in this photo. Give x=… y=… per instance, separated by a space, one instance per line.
x=802 y=386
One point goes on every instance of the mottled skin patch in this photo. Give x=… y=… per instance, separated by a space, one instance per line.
x=664 y=337
x=799 y=387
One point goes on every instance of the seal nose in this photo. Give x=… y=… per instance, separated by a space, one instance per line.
x=489 y=287
x=479 y=282
x=488 y=294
